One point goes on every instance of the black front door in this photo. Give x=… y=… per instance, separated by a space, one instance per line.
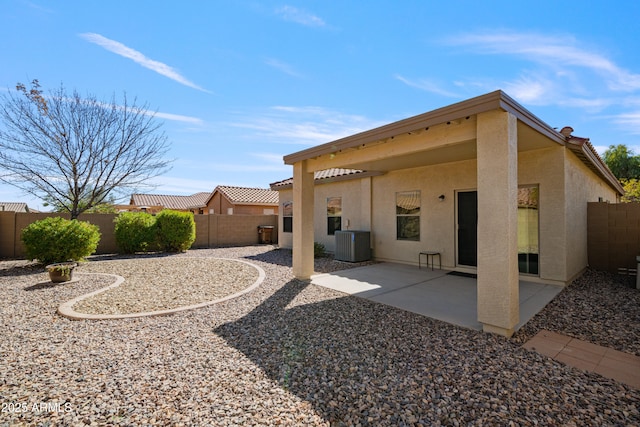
x=468 y=228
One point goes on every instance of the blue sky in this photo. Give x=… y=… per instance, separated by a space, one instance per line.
x=239 y=84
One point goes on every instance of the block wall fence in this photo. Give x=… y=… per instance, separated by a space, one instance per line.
x=613 y=235
x=211 y=230
x=613 y=232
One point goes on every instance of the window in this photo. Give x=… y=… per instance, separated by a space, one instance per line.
x=287 y=217
x=528 y=248
x=334 y=215
x=408 y=215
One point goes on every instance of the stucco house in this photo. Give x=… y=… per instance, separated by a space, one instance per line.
x=226 y=199
x=491 y=187
x=154 y=203
x=223 y=200
x=15 y=207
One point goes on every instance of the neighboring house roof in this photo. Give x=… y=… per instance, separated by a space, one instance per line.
x=170 y=202
x=14 y=207
x=326 y=176
x=247 y=196
x=453 y=113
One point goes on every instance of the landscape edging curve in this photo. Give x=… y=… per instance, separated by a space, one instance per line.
x=66 y=309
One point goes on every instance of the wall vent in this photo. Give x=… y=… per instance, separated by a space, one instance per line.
x=353 y=246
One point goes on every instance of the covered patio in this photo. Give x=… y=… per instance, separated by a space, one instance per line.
x=463 y=167
x=439 y=294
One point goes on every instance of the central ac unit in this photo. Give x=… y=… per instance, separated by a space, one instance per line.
x=353 y=246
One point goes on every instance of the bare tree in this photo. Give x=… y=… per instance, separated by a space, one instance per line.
x=75 y=151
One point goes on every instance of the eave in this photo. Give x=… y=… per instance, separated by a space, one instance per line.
x=491 y=101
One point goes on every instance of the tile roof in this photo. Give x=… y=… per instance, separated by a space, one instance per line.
x=171 y=202
x=319 y=176
x=14 y=207
x=248 y=196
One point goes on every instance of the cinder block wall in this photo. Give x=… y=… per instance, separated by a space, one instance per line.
x=613 y=233
x=231 y=230
x=211 y=230
x=107 y=244
x=7 y=234
x=243 y=229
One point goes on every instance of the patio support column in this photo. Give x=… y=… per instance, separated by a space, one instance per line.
x=302 y=221
x=497 y=154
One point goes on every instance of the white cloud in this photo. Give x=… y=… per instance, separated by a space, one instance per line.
x=284 y=67
x=293 y=133
x=293 y=14
x=243 y=167
x=272 y=158
x=182 y=186
x=427 y=85
x=159 y=115
x=630 y=121
x=307 y=125
x=178 y=118
x=139 y=58
x=554 y=52
x=302 y=110
x=590 y=104
x=531 y=89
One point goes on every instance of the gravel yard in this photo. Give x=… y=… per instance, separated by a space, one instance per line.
x=290 y=353
x=165 y=283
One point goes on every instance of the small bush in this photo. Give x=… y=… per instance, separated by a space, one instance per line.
x=318 y=250
x=56 y=239
x=176 y=230
x=136 y=232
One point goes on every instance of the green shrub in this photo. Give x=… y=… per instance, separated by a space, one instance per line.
x=176 y=230
x=56 y=239
x=136 y=232
x=318 y=250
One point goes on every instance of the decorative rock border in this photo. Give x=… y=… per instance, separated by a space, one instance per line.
x=66 y=309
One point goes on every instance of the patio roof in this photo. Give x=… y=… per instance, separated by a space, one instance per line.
x=455 y=121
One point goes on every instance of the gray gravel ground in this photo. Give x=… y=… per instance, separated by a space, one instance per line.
x=165 y=283
x=290 y=353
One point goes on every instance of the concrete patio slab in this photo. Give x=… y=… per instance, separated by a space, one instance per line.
x=431 y=293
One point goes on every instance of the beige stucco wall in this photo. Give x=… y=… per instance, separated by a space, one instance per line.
x=565 y=186
x=582 y=186
x=221 y=206
x=285 y=240
x=216 y=203
x=355 y=196
x=353 y=216
x=437 y=219
x=545 y=168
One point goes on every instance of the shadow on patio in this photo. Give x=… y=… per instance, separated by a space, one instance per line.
x=438 y=294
